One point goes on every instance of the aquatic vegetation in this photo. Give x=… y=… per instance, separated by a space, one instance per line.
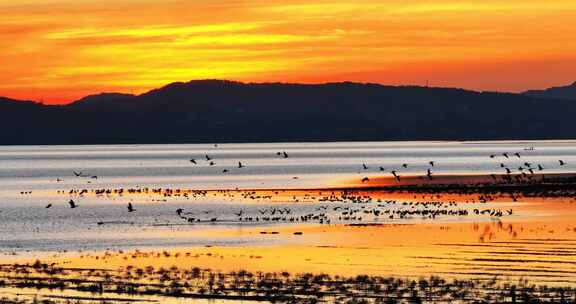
x=282 y=287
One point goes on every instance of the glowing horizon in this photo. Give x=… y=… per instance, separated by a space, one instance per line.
x=58 y=51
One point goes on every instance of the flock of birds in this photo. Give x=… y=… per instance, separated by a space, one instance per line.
x=423 y=209
x=508 y=170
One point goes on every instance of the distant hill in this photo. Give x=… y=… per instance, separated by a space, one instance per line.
x=225 y=111
x=565 y=92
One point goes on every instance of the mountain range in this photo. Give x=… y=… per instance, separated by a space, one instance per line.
x=563 y=92
x=226 y=111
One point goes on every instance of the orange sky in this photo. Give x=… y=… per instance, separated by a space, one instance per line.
x=59 y=50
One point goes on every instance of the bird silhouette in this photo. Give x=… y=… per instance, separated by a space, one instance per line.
x=193 y=161
x=517 y=154
x=285 y=154
x=78 y=174
x=208 y=157
x=540 y=168
x=130 y=208
x=381 y=168
x=48 y=206
x=431 y=163
x=366 y=179
x=225 y=171
x=404 y=165
x=240 y=165
x=505 y=154
x=562 y=163
x=364 y=167
x=212 y=163
x=72 y=204
x=179 y=211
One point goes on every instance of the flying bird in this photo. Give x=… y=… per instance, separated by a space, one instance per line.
x=285 y=154
x=72 y=204
x=240 y=165
x=431 y=163
x=208 y=157
x=48 y=206
x=130 y=208
x=366 y=179
x=77 y=173
x=562 y=163
x=193 y=161
x=364 y=167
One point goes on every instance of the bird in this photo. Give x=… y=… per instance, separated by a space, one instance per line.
x=239 y=213
x=225 y=171
x=505 y=154
x=404 y=165
x=364 y=167
x=562 y=163
x=492 y=155
x=396 y=176
x=77 y=173
x=540 y=168
x=429 y=174
x=431 y=163
x=240 y=165
x=193 y=161
x=502 y=165
x=381 y=168
x=212 y=163
x=517 y=154
x=366 y=179
x=179 y=211
x=285 y=154
x=72 y=204
x=48 y=206
x=130 y=208
x=208 y=157
x=508 y=171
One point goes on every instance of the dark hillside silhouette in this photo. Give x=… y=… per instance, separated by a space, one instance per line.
x=566 y=92
x=225 y=111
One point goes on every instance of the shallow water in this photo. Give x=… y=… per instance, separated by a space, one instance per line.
x=42 y=171
x=535 y=241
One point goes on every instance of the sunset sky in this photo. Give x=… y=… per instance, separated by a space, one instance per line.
x=56 y=51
